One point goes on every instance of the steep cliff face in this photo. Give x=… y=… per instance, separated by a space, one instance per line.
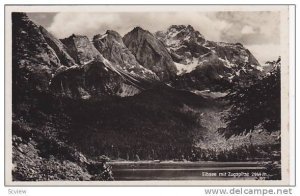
x=38 y=154
x=96 y=76
x=59 y=48
x=80 y=48
x=72 y=67
x=95 y=79
x=33 y=60
x=136 y=96
x=183 y=43
x=150 y=53
x=200 y=62
x=189 y=49
x=111 y=46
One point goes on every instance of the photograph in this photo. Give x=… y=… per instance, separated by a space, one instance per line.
x=147 y=95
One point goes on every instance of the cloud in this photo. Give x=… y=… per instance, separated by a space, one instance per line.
x=259 y=31
x=244 y=27
x=65 y=24
x=251 y=27
x=247 y=30
x=45 y=19
x=265 y=52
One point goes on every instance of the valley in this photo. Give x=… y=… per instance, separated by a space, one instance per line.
x=84 y=106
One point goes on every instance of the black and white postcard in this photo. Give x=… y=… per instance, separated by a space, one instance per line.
x=147 y=95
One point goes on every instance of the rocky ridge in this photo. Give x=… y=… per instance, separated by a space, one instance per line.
x=111 y=46
x=74 y=91
x=150 y=53
x=34 y=61
x=206 y=61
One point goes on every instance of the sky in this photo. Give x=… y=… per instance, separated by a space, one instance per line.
x=259 y=31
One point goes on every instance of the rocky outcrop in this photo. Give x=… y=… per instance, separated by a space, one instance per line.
x=77 y=111
x=80 y=48
x=189 y=49
x=33 y=60
x=183 y=43
x=150 y=53
x=59 y=48
x=37 y=156
x=95 y=79
x=111 y=46
x=236 y=53
x=105 y=71
x=201 y=63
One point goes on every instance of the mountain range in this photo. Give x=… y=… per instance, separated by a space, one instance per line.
x=110 y=64
x=146 y=95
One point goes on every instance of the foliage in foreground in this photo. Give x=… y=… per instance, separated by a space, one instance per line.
x=256 y=106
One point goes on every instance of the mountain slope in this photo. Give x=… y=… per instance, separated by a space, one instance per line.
x=80 y=48
x=140 y=97
x=96 y=79
x=152 y=124
x=111 y=46
x=38 y=154
x=150 y=53
x=200 y=61
x=59 y=48
x=33 y=61
x=96 y=76
x=188 y=47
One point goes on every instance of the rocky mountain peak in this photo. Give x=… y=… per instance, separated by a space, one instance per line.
x=138 y=28
x=34 y=61
x=80 y=48
x=181 y=27
x=59 y=48
x=177 y=35
x=139 y=32
x=139 y=57
x=111 y=46
x=114 y=34
x=177 y=27
x=111 y=35
x=150 y=52
x=20 y=16
x=204 y=60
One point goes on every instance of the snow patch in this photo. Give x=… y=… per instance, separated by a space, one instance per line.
x=187 y=38
x=192 y=64
x=227 y=63
x=259 y=68
x=177 y=47
x=74 y=67
x=171 y=42
x=103 y=36
x=230 y=78
x=174 y=32
x=87 y=62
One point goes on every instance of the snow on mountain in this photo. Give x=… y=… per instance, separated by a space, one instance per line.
x=191 y=52
x=112 y=65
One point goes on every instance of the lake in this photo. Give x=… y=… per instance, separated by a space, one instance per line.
x=203 y=170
